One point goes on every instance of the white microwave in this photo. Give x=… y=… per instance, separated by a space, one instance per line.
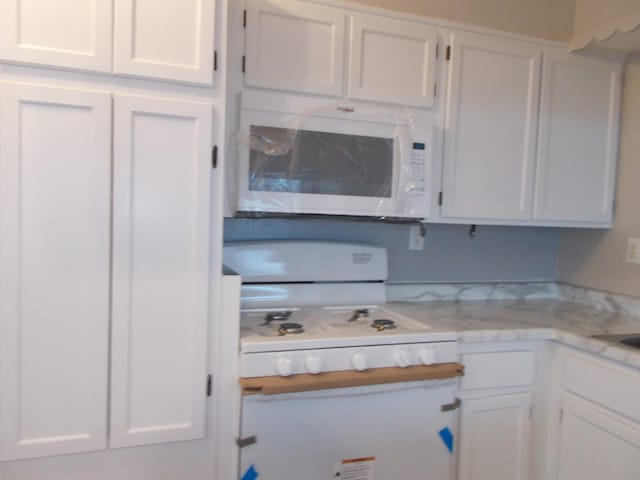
x=356 y=160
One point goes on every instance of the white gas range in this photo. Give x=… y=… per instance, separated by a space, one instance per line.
x=335 y=382
x=312 y=307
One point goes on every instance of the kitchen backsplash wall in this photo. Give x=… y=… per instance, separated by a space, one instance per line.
x=495 y=254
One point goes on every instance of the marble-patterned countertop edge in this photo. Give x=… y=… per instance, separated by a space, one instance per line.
x=567 y=323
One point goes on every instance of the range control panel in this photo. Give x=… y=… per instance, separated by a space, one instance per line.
x=315 y=361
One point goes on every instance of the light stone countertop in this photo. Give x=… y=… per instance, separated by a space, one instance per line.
x=512 y=320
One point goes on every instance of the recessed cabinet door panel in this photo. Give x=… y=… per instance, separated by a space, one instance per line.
x=55 y=168
x=392 y=61
x=577 y=146
x=596 y=444
x=491 y=129
x=295 y=46
x=63 y=33
x=162 y=152
x=166 y=39
x=494 y=438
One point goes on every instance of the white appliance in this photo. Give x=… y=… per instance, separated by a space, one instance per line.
x=358 y=160
x=314 y=313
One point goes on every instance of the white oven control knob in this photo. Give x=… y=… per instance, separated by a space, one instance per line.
x=283 y=366
x=427 y=355
x=401 y=357
x=359 y=361
x=313 y=362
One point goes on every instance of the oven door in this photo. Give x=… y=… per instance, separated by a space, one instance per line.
x=321 y=165
x=382 y=432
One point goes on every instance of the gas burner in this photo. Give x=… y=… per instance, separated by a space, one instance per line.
x=290 y=328
x=276 y=317
x=382 y=324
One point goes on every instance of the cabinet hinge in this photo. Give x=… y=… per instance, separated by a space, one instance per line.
x=244 y=63
x=448 y=53
x=435 y=90
x=437 y=50
x=244 y=18
x=209 y=385
x=214 y=157
x=561 y=415
x=215 y=60
x=440 y=199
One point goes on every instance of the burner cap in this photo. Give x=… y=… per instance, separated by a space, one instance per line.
x=381 y=324
x=288 y=328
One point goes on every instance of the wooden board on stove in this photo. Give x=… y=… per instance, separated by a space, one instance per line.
x=272 y=385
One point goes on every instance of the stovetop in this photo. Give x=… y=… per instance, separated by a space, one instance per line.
x=283 y=329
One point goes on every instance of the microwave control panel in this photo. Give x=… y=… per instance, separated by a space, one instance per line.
x=418 y=164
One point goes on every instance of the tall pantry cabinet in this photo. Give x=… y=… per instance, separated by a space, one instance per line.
x=105 y=221
x=82 y=271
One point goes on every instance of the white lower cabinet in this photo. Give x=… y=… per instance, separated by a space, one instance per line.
x=495 y=418
x=84 y=250
x=495 y=441
x=595 y=443
x=597 y=427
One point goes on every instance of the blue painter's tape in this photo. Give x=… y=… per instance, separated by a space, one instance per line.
x=250 y=474
x=447 y=438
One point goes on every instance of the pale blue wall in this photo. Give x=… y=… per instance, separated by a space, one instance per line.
x=496 y=254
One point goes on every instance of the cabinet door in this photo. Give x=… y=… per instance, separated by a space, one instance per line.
x=392 y=61
x=162 y=154
x=492 y=112
x=64 y=33
x=494 y=438
x=577 y=145
x=55 y=168
x=596 y=444
x=166 y=39
x=295 y=46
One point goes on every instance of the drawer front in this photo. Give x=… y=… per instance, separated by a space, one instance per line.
x=498 y=369
x=612 y=386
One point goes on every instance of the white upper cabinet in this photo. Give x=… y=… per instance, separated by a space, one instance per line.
x=55 y=182
x=392 y=61
x=161 y=225
x=295 y=46
x=578 y=139
x=490 y=133
x=64 y=33
x=165 y=39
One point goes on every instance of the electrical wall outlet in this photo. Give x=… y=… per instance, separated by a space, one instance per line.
x=633 y=250
x=416 y=240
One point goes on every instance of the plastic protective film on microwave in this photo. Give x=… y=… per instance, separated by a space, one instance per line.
x=354 y=160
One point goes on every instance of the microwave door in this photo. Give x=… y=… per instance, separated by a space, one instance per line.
x=319 y=171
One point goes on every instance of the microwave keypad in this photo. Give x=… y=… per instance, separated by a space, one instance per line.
x=418 y=158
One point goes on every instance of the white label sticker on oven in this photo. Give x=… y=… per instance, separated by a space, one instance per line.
x=354 y=469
